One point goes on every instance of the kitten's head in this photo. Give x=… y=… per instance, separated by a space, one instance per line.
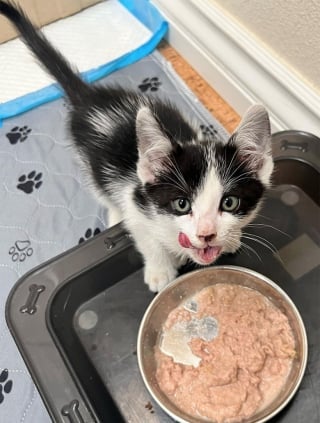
x=202 y=192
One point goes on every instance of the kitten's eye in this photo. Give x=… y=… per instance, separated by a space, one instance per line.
x=181 y=205
x=230 y=203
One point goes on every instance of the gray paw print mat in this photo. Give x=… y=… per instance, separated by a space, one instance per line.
x=46 y=208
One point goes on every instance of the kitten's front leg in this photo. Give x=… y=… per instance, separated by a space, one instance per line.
x=160 y=267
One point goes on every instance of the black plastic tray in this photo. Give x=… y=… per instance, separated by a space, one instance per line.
x=75 y=319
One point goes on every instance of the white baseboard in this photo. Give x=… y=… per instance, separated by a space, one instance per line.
x=239 y=68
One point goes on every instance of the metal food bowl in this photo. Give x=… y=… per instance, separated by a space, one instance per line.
x=184 y=288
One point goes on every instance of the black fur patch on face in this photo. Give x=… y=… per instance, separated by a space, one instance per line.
x=191 y=160
x=181 y=180
x=250 y=192
x=244 y=183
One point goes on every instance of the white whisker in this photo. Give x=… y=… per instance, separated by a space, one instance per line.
x=250 y=249
x=266 y=244
x=269 y=226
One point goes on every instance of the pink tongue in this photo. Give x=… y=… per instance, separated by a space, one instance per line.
x=184 y=241
x=208 y=254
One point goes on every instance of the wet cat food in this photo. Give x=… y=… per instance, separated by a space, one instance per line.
x=225 y=354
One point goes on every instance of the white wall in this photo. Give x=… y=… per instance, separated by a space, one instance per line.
x=289 y=28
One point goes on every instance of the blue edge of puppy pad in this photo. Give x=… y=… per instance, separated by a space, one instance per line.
x=145 y=12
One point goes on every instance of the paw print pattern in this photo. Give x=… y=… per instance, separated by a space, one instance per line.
x=151 y=84
x=208 y=130
x=5 y=384
x=89 y=234
x=18 y=134
x=21 y=250
x=30 y=182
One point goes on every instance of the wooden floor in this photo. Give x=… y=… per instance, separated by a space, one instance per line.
x=206 y=94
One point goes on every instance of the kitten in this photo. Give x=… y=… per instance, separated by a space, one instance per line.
x=183 y=196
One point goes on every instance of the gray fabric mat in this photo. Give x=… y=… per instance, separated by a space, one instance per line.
x=46 y=209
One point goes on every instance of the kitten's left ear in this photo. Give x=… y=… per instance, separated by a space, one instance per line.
x=253 y=141
x=153 y=146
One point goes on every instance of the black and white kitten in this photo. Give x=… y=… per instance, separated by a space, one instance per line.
x=182 y=195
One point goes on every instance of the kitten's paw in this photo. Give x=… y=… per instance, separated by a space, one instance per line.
x=157 y=277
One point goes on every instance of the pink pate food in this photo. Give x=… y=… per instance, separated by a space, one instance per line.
x=242 y=369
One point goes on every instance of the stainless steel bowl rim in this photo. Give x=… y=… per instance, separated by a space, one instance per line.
x=242 y=270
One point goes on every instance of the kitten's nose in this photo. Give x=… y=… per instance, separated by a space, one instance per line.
x=207 y=238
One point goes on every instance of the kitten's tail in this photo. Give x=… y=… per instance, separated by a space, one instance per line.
x=53 y=61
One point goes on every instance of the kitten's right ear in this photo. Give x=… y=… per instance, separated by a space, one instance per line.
x=253 y=140
x=153 y=146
